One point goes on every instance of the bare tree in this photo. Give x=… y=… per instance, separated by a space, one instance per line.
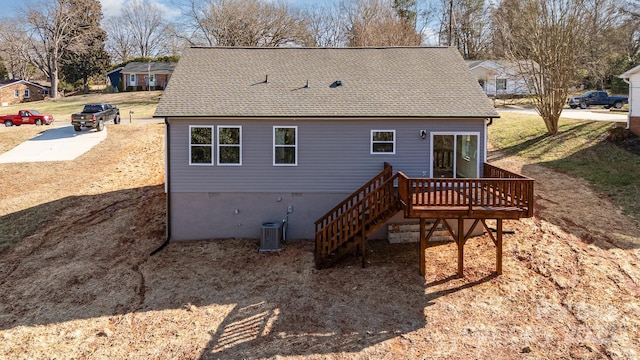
x=471 y=28
x=604 y=29
x=544 y=37
x=119 y=44
x=145 y=21
x=53 y=26
x=375 y=23
x=326 y=25
x=244 y=23
x=14 y=47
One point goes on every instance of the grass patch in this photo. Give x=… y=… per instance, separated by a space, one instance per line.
x=142 y=103
x=580 y=149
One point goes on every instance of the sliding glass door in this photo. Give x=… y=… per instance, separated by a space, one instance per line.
x=454 y=155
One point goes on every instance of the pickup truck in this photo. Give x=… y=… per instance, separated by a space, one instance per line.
x=95 y=116
x=597 y=98
x=26 y=117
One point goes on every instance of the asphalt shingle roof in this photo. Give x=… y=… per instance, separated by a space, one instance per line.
x=375 y=82
x=137 y=67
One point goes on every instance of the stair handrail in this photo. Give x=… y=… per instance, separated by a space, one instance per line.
x=332 y=218
x=385 y=173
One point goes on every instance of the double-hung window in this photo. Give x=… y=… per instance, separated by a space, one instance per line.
x=383 y=141
x=16 y=93
x=200 y=145
x=501 y=84
x=229 y=145
x=27 y=93
x=285 y=145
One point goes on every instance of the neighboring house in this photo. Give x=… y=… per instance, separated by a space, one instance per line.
x=633 y=78
x=113 y=78
x=19 y=91
x=500 y=78
x=146 y=75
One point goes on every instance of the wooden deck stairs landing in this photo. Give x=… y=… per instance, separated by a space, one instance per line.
x=345 y=228
x=499 y=195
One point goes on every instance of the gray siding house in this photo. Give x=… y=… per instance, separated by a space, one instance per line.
x=257 y=134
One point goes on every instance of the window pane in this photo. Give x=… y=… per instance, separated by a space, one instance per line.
x=201 y=135
x=201 y=154
x=382 y=147
x=229 y=136
x=285 y=136
x=382 y=136
x=229 y=155
x=285 y=155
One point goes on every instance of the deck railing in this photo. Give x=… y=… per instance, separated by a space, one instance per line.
x=500 y=193
x=498 y=190
x=350 y=217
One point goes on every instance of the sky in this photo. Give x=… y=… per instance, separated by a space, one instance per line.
x=10 y=8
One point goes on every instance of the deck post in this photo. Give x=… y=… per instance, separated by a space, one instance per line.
x=460 y=247
x=499 y=246
x=423 y=246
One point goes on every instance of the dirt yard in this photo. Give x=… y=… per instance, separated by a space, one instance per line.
x=81 y=284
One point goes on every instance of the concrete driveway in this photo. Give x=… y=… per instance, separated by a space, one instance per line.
x=579 y=114
x=56 y=144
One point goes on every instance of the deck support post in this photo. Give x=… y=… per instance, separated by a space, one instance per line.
x=499 y=246
x=423 y=246
x=460 y=247
x=363 y=244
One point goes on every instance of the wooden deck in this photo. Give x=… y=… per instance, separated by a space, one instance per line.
x=499 y=195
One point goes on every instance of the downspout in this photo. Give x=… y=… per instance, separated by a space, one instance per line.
x=630 y=102
x=167 y=188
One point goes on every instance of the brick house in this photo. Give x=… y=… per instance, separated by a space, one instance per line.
x=19 y=91
x=144 y=75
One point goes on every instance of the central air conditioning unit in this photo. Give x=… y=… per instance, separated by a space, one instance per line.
x=271 y=236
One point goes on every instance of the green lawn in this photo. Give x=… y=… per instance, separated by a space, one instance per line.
x=142 y=103
x=580 y=149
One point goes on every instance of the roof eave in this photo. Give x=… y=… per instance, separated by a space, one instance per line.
x=459 y=116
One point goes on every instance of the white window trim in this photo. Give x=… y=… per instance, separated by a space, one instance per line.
x=219 y=145
x=213 y=155
x=16 y=93
x=382 y=142
x=500 y=81
x=27 y=93
x=455 y=139
x=294 y=146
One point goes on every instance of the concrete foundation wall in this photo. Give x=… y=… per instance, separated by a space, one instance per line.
x=197 y=216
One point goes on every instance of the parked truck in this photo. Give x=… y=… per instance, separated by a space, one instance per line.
x=95 y=116
x=594 y=98
x=26 y=117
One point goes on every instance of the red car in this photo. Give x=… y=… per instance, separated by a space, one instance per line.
x=26 y=117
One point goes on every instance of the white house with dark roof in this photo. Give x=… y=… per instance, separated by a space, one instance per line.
x=501 y=78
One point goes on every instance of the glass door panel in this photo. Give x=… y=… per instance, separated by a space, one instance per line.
x=443 y=159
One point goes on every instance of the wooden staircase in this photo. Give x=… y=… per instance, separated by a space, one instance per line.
x=345 y=228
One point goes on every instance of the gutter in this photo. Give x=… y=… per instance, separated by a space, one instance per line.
x=167 y=189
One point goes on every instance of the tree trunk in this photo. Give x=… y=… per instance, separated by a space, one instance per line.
x=85 y=82
x=54 y=84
